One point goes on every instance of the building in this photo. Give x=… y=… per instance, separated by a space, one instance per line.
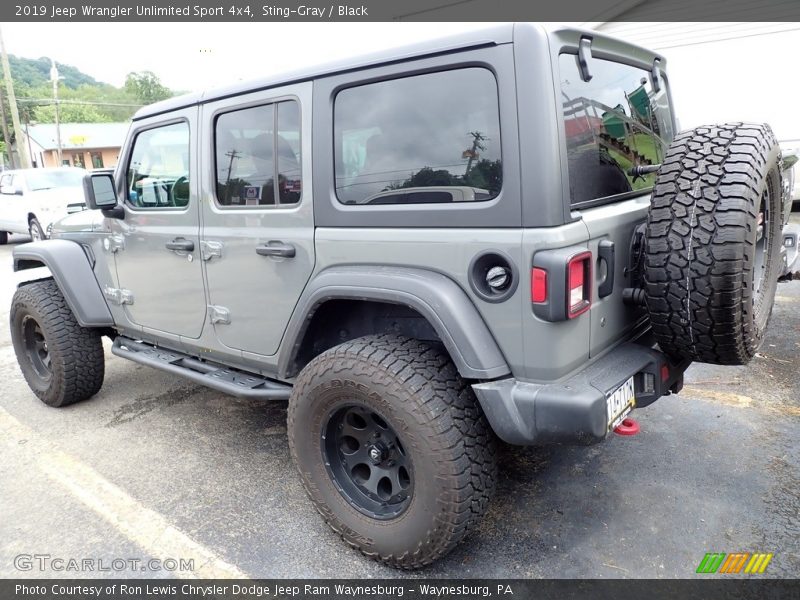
x=87 y=145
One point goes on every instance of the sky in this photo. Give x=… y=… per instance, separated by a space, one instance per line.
x=745 y=79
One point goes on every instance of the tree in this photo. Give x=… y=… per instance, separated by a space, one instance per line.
x=146 y=87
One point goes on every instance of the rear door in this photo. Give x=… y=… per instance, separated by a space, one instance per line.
x=614 y=122
x=258 y=224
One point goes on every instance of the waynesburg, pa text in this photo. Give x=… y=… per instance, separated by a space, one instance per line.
x=253 y=590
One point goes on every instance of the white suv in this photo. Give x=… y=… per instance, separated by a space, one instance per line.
x=32 y=199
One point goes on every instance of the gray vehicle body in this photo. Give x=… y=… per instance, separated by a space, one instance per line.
x=361 y=269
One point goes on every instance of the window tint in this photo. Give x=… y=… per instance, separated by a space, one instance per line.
x=613 y=122
x=248 y=142
x=426 y=139
x=158 y=171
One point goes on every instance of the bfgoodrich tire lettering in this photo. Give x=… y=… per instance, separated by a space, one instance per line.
x=62 y=362
x=713 y=243
x=414 y=386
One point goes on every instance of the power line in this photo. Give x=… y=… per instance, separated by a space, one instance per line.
x=88 y=102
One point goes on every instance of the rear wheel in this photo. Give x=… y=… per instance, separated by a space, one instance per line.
x=392 y=448
x=3 y=238
x=62 y=362
x=713 y=243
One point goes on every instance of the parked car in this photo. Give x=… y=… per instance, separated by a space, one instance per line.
x=585 y=256
x=31 y=200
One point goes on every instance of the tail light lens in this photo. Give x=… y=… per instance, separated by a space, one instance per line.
x=538 y=285
x=579 y=284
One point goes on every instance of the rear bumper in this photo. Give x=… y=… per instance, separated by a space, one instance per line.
x=574 y=410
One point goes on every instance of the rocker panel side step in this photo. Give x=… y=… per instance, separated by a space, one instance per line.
x=230 y=381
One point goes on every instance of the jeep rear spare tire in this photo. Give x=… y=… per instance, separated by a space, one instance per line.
x=392 y=447
x=712 y=253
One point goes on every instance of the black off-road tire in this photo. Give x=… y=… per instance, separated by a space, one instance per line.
x=713 y=237
x=76 y=360
x=414 y=386
x=3 y=238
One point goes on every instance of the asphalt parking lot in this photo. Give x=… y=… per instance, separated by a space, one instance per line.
x=154 y=466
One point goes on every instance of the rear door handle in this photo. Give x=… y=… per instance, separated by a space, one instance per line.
x=276 y=248
x=180 y=245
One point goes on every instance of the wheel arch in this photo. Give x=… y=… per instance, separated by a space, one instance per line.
x=415 y=302
x=72 y=272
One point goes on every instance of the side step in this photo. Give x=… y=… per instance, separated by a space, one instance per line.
x=230 y=381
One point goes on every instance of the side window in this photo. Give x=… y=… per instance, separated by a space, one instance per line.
x=258 y=155
x=5 y=185
x=426 y=139
x=158 y=171
x=613 y=122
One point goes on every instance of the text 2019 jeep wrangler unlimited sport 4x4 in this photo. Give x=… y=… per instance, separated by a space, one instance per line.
x=496 y=234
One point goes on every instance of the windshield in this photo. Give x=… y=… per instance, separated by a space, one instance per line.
x=46 y=180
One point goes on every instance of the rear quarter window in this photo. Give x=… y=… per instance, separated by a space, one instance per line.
x=612 y=123
x=424 y=139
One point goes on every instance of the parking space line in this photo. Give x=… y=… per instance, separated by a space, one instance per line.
x=143 y=526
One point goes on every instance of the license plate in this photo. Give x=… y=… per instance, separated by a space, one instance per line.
x=619 y=403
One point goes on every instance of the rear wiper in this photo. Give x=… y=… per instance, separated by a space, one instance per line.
x=639 y=171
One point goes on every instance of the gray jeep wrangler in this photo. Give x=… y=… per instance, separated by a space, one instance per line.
x=495 y=235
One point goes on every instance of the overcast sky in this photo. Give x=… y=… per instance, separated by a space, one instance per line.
x=745 y=79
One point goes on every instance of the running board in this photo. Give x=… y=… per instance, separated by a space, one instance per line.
x=230 y=381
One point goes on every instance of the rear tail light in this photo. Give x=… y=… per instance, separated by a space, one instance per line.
x=579 y=284
x=538 y=285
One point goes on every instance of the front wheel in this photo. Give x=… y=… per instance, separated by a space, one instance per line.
x=35 y=230
x=62 y=362
x=392 y=448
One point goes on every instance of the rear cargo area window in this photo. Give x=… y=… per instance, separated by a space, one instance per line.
x=425 y=139
x=614 y=122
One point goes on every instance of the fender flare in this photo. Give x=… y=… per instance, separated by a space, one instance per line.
x=73 y=274
x=437 y=298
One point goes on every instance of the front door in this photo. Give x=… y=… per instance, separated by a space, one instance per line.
x=158 y=245
x=258 y=227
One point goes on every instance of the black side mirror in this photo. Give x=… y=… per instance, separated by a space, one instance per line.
x=98 y=191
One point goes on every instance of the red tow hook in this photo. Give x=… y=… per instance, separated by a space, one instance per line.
x=627 y=427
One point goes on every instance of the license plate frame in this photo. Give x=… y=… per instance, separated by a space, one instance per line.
x=619 y=403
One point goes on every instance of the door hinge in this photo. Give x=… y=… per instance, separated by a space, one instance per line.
x=114 y=242
x=118 y=296
x=209 y=250
x=219 y=315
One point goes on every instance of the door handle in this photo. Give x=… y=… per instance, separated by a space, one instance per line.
x=180 y=245
x=276 y=248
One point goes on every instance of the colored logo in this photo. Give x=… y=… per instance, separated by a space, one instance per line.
x=738 y=562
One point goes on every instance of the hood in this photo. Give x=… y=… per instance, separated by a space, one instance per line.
x=84 y=221
x=59 y=197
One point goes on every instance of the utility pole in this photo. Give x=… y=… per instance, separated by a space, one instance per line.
x=22 y=147
x=54 y=78
x=5 y=132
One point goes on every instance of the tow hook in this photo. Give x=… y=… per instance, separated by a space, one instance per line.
x=627 y=427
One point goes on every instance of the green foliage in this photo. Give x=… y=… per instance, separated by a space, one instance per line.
x=82 y=98
x=35 y=72
x=71 y=113
x=146 y=87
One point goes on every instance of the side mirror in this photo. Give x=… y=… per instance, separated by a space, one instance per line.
x=98 y=191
